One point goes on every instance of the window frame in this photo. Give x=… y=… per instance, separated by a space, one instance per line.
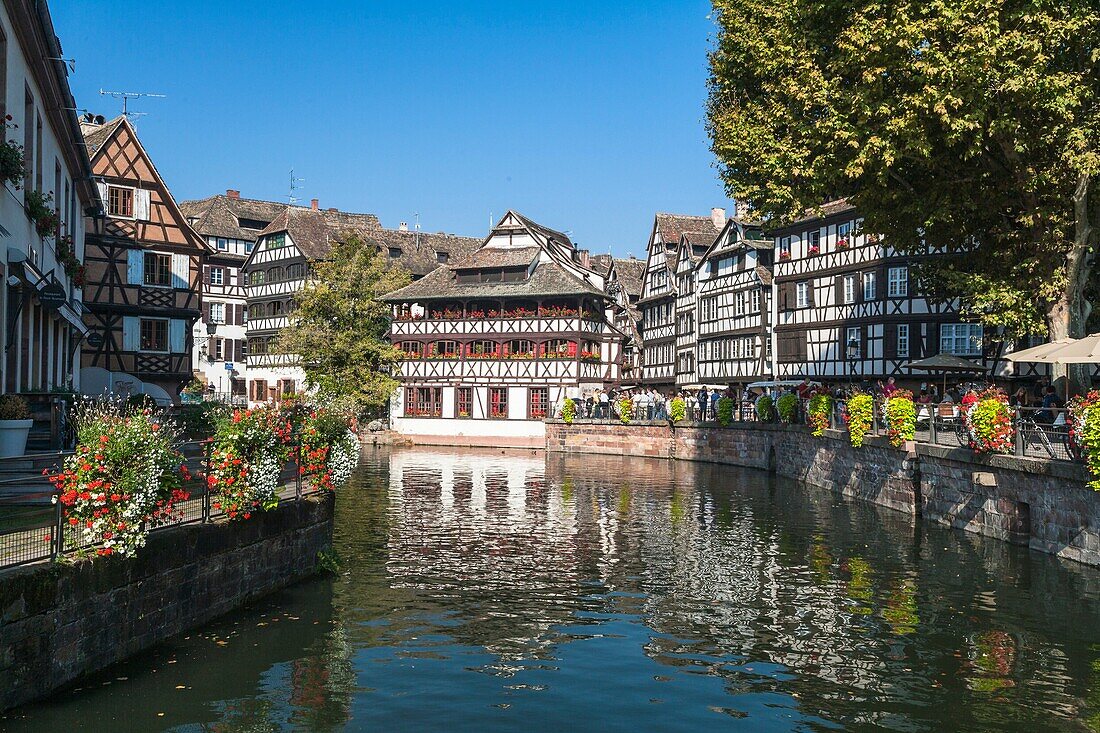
x=533 y=411
x=464 y=395
x=147 y=271
x=221 y=307
x=869 y=279
x=154 y=322
x=802 y=294
x=498 y=403
x=111 y=190
x=975 y=345
x=857 y=331
x=902 y=282
x=899 y=339
x=219 y=272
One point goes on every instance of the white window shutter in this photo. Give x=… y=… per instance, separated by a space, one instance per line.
x=181 y=271
x=177 y=335
x=141 y=204
x=101 y=186
x=131 y=333
x=135 y=267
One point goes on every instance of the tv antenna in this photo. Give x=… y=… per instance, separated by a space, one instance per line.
x=126 y=97
x=294 y=187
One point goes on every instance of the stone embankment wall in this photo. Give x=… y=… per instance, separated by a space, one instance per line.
x=61 y=621
x=1043 y=504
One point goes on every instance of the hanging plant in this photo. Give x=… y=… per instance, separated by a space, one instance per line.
x=989 y=422
x=787 y=407
x=40 y=209
x=13 y=162
x=764 y=407
x=677 y=409
x=626 y=410
x=901 y=417
x=859 y=418
x=250 y=450
x=818 y=411
x=725 y=411
x=568 y=411
x=1084 y=426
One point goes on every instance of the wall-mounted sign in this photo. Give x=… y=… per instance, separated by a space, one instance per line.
x=52 y=296
x=228 y=366
x=95 y=339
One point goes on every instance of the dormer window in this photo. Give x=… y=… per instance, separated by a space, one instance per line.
x=276 y=241
x=395 y=252
x=442 y=257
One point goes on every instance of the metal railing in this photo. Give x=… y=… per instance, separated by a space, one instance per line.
x=33 y=525
x=1037 y=432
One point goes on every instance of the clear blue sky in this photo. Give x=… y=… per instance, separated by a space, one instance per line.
x=586 y=116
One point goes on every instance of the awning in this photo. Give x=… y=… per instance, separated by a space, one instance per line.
x=1040 y=353
x=1077 y=351
x=946 y=363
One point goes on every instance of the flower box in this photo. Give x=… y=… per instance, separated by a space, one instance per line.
x=814 y=250
x=784 y=255
x=843 y=243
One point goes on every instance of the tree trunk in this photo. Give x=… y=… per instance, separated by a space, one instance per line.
x=1066 y=317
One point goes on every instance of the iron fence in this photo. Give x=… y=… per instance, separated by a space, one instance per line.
x=32 y=520
x=1037 y=432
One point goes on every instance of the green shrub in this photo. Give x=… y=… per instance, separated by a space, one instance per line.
x=787 y=407
x=764 y=407
x=819 y=411
x=860 y=417
x=677 y=409
x=200 y=419
x=14 y=407
x=725 y=411
x=626 y=410
x=568 y=411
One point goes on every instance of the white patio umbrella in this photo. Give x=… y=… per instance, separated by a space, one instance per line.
x=1040 y=353
x=1079 y=351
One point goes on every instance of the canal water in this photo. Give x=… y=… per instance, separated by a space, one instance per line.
x=511 y=591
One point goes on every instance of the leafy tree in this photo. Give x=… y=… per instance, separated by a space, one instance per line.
x=339 y=328
x=967 y=126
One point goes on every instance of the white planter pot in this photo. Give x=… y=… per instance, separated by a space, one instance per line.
x=13 y=437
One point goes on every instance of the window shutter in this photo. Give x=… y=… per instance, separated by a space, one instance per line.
x=863 y=342
x=135 y=267
x=206 y=274
x=882 y=284
x=101 y=186
x=141 y=204
x=839 y=289
x=181 y=271
x=810 y=299
x=131 y=333
x=206 y=313
x=890 y=341
x=177 y=335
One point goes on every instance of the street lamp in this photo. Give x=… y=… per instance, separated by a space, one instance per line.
x=204 y=350
x=853 y=357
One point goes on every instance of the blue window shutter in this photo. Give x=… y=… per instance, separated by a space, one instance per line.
x=135 y=267
x=181 y=271
x=177 y=336
x=131 y=333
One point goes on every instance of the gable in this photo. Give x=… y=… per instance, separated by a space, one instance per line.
x=121 y=160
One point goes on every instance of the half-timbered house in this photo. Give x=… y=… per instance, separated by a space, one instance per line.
x=847 y=308
x=280 y=265
x=732 y=313
x=492 y=343
x=231 y=225
x=144 y=269
x=43 y=224
x=624 y=286
x=692 y=247
x=659 y=288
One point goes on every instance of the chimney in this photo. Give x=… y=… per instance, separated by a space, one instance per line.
x=718 y=216
x=403 y=226
x=583 y=258
x=313 y=204
x=233 y=193
x=332 y=210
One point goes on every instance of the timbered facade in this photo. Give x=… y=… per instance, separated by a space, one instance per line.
x=144 y=267
x=688 y=254
x=492 y=343
x=624 y=287
x=732 y=312
x=848 y=309
x=230 y=225
x=40 y=276
x=659 y=290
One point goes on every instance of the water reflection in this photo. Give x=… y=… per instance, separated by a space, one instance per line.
x=499 y=591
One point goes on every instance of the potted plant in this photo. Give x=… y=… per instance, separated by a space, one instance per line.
x=814 y=250
x=842 y=243
x=15 y=425
x=40 y=209
x=13 y=164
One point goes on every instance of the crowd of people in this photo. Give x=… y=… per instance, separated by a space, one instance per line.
x=701 y=404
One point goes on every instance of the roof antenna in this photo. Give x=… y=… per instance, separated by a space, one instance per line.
x=292 y=198
x=417 y=225
x=126 y=97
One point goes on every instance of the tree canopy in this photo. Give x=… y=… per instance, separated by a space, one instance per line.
x=967 y=126
x=339 y=327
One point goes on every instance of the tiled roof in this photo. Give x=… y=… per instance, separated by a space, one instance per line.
x=420 y=251
x=673 y=226
x=221 y=215
x=629 y=274
x=96 y=135
x=600 y=263
x=829 y=208
x=548 y=279
x=500 y=257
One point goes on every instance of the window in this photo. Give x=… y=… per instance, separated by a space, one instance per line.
x=444 y=349
x=785 y=247
x=275 y=274
x=868 y=286
x=802 y=295
x=849 y=288
x=223 y=244
x=295 y=271
x=423 y=402
x=741 y=303
x=249 y=246
x=853 y=342
x=519 y=349
x=537 y=401
x=961 y=339
x=217 y=312
x=482 y=350
x=219 y=349
x=754 y=301
x=411 y=349
x=898 y=282
x=154 y=334
x=709 y=308
x=120 y=201
x=257 y=278
x=217 y=276
x=395 y=251
x=257 y=346
x=158 y=269
x=464 y=401
x=903 y=339
x=498 y=402
x=442 y=257
x=813 y=239
x=276 y=241
x=844 y=230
